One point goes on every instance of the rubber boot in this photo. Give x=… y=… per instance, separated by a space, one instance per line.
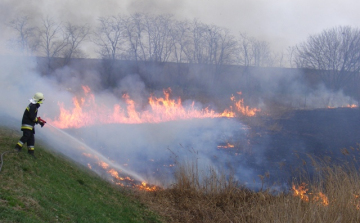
x=17 y=148
x=31 y=152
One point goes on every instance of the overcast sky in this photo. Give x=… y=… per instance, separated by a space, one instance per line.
x=282 y=23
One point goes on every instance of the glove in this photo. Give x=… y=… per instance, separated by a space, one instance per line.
x=41 y=122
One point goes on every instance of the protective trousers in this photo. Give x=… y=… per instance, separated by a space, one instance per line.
x=28 y=138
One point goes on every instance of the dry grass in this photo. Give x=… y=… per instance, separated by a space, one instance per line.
x=212 y=197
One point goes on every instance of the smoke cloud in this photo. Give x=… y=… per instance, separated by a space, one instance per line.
x=147 y=151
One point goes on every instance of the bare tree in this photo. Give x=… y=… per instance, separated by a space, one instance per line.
x=207 y=44
x=134 y=29
x=158 y=39
x=198 y=47
x=290 y=55
x=25 y=39
x=109 y=36
x=334 y=52
x=181 y=36
x=161 y=39
x=155 y=38
x=279 y=59
x=262 y=54
x=226 y=48
x=211 y=37
x=143 y=37
x=253 y=52
x=244 y=56
x=75 y=34
x=52 y=40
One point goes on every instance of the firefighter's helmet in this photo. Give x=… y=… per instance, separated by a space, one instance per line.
x=38 y=98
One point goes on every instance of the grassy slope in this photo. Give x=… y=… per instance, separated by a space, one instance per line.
x=52 y=188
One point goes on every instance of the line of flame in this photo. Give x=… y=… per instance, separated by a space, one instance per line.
x=87 y=112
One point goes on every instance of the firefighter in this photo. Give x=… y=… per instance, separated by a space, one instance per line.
x=28 y=124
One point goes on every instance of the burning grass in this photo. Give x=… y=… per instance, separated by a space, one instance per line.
x=332 y=195
x=86 y=111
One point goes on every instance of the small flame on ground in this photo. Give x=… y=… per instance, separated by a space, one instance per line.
x=244 y=110
x=103 y=165
x=228 y=145
x=146 y=187
x=301 y=191
x=124 y=181
x=356 y=201
x=346 y=106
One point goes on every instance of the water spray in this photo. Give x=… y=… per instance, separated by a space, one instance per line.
x=100 y=156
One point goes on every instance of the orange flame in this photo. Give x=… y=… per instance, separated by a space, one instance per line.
x=228 y=145
x=346 y=106
x=352 y=106
x=103 y=165
x=87 y=112
x=145 y=187
x=244 y=110
x=356 y=201
x=86 y=89
x=228 y=113
x=301 y=191
x=124 y=180
x=322 y=198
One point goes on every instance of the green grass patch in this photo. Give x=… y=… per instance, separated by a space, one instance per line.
x=52 y=188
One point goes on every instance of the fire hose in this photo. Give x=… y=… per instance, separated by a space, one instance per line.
x=1 y=157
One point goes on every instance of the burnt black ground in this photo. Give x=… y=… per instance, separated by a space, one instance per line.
x=320 y=132
x=331 y=135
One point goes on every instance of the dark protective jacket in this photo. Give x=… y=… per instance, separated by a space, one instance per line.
x=30 y=117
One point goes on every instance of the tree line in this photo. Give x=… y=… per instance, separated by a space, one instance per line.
x=142 y=37
x=161 y=38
